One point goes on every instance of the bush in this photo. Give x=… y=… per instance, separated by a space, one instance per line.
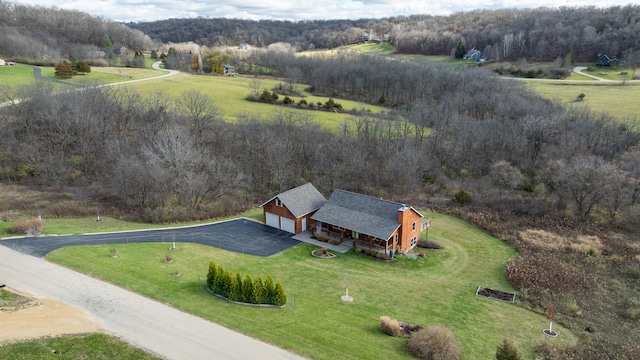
x=259 y=295
x=211 y=275
x=23 y=226
x=434 y=343
x=428 y=244
x=280 y=297
x=269 y=290
x=507 y=351
x=633 y=272
x=247 y=289
x=462 y=197
x=390 y=326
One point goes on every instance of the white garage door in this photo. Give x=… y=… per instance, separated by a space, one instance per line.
x=288 y=225
x=272 y=220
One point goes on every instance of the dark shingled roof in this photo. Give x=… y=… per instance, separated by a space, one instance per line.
x=361 y=213
x=301 y=200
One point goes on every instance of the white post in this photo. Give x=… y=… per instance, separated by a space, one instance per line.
x=551 y=326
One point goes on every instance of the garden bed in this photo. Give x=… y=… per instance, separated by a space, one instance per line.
x=495 y=294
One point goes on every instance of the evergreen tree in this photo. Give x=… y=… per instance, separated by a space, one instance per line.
x=211 y=275
x=235 y=288
x=507 y=351
x=280 y=298
x=82 y=67
x=269 y=290
x=154 y=55
x=247 y=289
x=460 y=51
x=226 y=284
x=64 y=70
x=218 y=283
x=258 y=291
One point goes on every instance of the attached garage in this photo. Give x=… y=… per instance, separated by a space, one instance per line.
x=280 y=222
x=290 y=210
x=272 y=220
x=288 y=225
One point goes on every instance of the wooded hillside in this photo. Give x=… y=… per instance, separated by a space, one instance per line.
x=542 y=33
x=39 y=35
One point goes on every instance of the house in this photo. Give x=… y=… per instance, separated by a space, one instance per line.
x=2 y=62
x=292 y=210
x=362 y=221
x=124 y=50
x=229 y=69
x=11 y=63
x=473 y=54
x=603 y=60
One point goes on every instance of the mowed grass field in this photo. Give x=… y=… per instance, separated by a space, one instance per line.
x=614 y=99
x=437 y=289
x=229 y=95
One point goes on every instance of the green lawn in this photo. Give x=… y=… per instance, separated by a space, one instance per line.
x=438 y=289
x=86 y=225
x=619 y=101
x=229 y=95
x=106 y=75
x=14 y=77
x=88 y=346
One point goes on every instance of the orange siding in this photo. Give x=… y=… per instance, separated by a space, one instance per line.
x=407 y=219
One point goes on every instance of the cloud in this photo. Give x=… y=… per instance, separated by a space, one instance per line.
x=151 y=10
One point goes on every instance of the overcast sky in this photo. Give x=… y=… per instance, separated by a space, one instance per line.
x=150 y=10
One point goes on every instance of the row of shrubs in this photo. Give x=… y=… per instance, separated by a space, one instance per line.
x=250 y=291
x=272 y=98
x=373 y=253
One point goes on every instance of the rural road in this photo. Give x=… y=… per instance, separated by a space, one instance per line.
x=155 y=327
x=37 y=72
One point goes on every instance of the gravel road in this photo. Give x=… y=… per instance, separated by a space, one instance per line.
x=160 y=329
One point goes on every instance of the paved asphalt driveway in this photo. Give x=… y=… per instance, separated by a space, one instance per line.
x=240 y=235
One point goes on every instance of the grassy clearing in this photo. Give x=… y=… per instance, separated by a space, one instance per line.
x=106 y=75
x=229 y=95
x=88 y=225
x=619 y=101
x=438 y=289
x=88 y=346
x=15 y=77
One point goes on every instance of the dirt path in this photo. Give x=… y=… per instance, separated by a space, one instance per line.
x=46 y=317
x=148 y=324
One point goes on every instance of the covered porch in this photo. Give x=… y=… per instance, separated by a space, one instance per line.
x=354 y=239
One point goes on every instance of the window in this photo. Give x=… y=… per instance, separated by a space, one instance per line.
x=414 y=241
x=396 y=238
x=278 y=202
x=413 y=227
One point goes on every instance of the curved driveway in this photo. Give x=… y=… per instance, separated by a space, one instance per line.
x=239 y=235
x=148 y=324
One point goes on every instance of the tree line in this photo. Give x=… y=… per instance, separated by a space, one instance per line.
x=543 y=34
x=163 y=160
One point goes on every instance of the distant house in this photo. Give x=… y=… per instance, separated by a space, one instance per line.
x=603 y=60
x=364 y=221
x=229 y=69
x=2 y=62
x=124 y=50
x=11 y=63
x=244 y=46
x=473 y=54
